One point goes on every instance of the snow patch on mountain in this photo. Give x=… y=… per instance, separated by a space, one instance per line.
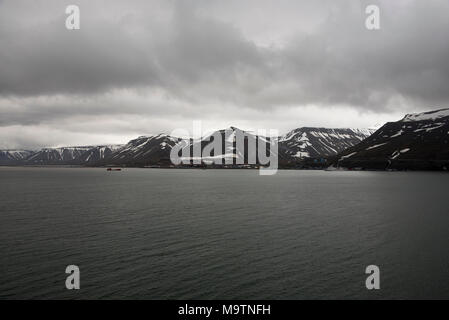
x=397 y=134
x=8 y=157
x=376 y=146
x=320 y=142
x=15 y=154
x=431 y=115
x=348 y=156
x=430 y=127
x=398 y=153
x=56 y=155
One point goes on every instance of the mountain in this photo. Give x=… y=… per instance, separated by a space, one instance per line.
x=155 y=150
x=95 y=154
x=86 y=155
x=143 y=151
x=309 y=142
x=228 y=152
x=137 y=152
x=48 y=156
x=419 y=141
x=11 y=157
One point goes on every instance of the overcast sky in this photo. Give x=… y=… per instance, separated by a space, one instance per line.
x=145 y=67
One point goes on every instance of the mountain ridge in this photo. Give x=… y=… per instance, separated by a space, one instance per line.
x=321 y=142
x=419 y=141
x=153 y=149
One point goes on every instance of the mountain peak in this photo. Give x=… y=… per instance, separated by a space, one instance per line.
x=429 y=115
x=321 y=142
x=419 y=141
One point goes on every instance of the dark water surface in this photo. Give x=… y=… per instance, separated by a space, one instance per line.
x=222 y=234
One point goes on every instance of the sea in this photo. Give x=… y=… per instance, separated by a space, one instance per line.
x=222 y=234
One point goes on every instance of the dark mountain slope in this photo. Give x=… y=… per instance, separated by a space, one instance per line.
x=416 y=142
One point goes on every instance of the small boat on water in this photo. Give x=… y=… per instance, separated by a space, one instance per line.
x=114 y=169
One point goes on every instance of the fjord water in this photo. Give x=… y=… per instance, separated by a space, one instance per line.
x=222 y=234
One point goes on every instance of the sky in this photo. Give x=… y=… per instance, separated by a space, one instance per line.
x=148 y=67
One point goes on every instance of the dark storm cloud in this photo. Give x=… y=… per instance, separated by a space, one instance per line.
x=114 y=52
x=198 y=57
x=48 y=59
x=214 y=56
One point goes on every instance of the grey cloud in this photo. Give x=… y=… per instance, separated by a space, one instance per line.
x=49 y=59
x=197 y=57
x=344 y=63
x=210 y=57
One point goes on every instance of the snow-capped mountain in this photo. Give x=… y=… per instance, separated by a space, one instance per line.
x=320 y=142
x=155 y=150
x=227 y=152
x=63 y=155
x=427 y=116
x=145 y=150
x=418 y=141
x=95 y=154
x=86 y=155
x=14 y=156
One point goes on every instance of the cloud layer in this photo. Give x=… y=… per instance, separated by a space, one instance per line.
x=140 y=67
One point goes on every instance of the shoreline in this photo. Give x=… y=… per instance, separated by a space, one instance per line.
x=214 y=168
